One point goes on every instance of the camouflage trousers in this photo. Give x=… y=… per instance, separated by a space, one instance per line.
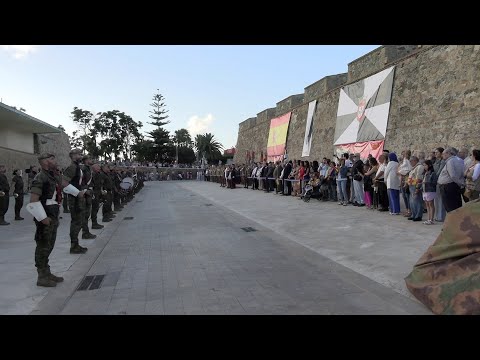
x=77 y=209
x=95 y=208
x=4 y=202
x=18 y=205
x=446 y=278
x=45 y=237
x=65 y=203
x=107 y=205
x=86 y=214
x=116 y=199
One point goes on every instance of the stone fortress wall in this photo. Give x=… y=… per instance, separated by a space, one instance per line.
x=435 y=102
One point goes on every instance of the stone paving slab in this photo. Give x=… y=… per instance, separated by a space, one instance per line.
x=377 y=245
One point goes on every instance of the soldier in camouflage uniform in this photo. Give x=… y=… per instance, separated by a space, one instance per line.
x=45 y=200
x=136 y=179
x=218 y=174
x=108 y=187
x=122 y=195
x=73 y=175
x=116 y=178
x=87 y=184
x=17 y=182
x=245 y=176
x=446 y=279
x=141 y=179
x=65 y=199
x=98 y=194
x=130 y=192
x=213 y=173
x=4 y=195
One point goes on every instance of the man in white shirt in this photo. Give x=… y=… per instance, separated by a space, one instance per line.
x=350 y=188
x=254 y=177
x=259 y=175
x=403 y=170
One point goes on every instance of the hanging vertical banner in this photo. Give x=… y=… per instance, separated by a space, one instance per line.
x=363 y=110
x=307 y=142
x=277 y=138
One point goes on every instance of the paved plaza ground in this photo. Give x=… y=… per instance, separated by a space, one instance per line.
x=186 y=252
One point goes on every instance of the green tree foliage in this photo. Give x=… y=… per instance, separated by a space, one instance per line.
x=75 y=141
x=186 y=155
x=158 y=112
x=182 y=138
x=206 y=145
x=86 y=135
x=144 y=150
x=107 y=134
x=112 y=134
x=162 y=144
x=161 y=148
x=119 y=131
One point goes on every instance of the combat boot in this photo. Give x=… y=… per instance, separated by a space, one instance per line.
x=19 y=218
x=97 y=226
x=57 y=279
x=106 y=219
x=117 y=208
x=3 y=222
x=77 y=249
x=44 y=279
x=88 y=236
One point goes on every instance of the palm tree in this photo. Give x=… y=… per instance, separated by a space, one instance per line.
x=207 y=146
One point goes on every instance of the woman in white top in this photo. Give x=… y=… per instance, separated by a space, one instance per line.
x=393 y=184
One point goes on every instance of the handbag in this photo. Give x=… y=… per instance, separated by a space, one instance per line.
x=357 y=177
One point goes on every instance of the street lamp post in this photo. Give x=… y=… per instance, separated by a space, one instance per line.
x=177 y=151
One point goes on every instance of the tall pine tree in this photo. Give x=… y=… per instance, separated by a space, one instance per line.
x=158 y=114
x=162 y=144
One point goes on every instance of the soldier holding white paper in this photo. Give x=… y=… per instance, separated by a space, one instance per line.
x=45 y=200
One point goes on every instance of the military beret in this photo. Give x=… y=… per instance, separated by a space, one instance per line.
x=76 y=151
x=45 y=156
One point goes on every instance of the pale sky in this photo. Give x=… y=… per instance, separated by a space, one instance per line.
x=206 y=88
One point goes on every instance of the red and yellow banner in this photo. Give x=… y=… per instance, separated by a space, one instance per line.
x=277 y=138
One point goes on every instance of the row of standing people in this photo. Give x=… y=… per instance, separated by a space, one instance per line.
x=437 y=184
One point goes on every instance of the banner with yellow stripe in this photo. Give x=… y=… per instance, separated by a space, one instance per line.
x=277 y=138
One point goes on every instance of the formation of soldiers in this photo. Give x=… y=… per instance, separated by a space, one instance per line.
x=231 y=175
x=84 y=187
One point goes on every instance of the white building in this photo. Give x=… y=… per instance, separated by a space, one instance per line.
x=24 y=137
